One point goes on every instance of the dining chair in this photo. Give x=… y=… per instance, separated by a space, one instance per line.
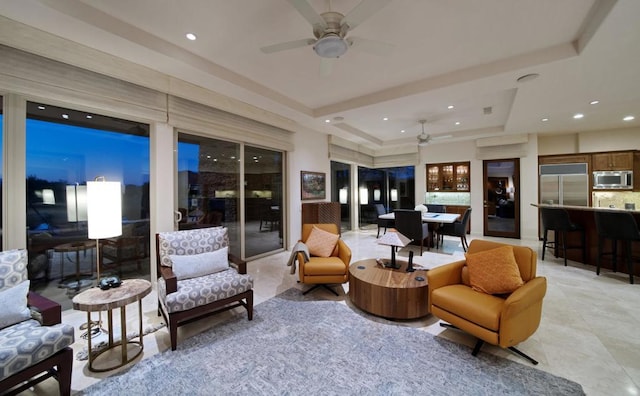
x=386 y=223
x=409 y=223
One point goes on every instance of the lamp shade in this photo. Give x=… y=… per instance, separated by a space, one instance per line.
x=76 y=203
x=343 y=195
x=394 y=238
x=104 y=209
x=364 y=196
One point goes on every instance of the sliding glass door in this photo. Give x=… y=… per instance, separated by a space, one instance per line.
x=211 y=173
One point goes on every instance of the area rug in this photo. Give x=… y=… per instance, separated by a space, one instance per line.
x=296 y=345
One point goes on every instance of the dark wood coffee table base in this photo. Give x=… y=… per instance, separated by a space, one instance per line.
x=389 y=293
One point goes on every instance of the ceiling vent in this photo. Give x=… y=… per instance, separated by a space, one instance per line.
x=487 y=110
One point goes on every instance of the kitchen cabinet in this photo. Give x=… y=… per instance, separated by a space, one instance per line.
x=565 y=159
x=450 y=177
x=622 y=160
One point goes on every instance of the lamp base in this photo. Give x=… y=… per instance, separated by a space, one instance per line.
x=391 y=264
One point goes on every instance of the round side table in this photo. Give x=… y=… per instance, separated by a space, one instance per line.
x=95 y=299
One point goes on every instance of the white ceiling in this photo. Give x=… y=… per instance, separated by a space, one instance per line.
x=465 y=53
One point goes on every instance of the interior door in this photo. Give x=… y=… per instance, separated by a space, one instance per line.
x=502 y=198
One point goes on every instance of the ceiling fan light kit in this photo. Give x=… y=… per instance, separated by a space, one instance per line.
x=423 y=138
x=331 y=46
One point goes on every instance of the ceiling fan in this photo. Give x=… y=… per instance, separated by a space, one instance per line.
x=330 y=30
x=424 y=139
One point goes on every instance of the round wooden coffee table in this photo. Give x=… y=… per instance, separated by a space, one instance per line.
x=386 y=292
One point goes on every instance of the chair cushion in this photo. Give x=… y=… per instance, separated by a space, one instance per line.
x=195 y=292
x=194 y=241
x=321 y=243
x=477 y=307
x=14 y=305
x=13 y=267
x=27 y=343
x=318 y=266
x=494 y=271
x=194 y=265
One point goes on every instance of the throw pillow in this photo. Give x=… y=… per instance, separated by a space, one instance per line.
x=14 y=305
x=321 y=243
x=494 y=271
x=195 y=265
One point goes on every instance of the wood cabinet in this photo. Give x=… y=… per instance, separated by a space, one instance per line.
x=622 y=160
x=565 y=159
x=450 y=177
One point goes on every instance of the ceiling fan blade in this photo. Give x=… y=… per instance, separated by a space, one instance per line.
x=326 y=66
x=362 y=11
x=438 y=137
x=305 y=9
x=269 y=49
x=373 y=47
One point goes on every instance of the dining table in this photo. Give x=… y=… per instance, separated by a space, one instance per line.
x=428 y=217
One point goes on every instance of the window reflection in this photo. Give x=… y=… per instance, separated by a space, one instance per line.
x=64 y=149
x=209 y=185
x=263 y=200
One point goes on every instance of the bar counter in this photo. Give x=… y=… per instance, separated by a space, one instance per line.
x=583 y=215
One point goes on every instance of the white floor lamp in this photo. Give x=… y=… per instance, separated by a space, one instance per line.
x=104 y=215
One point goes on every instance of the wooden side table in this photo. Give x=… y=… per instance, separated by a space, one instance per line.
x=386 y=292
x=95 y=299
x=75 y=247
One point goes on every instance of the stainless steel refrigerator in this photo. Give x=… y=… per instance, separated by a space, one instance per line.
x=564 y=184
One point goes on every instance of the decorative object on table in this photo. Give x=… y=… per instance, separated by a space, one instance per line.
x=394 y=239
x=109 y=282
x=312 y=185
x=104 y=216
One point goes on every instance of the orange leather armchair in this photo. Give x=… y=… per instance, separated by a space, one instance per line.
x=502 y=320
x=321 y=271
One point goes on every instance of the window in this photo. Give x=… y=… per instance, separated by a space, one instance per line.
x=64 y=149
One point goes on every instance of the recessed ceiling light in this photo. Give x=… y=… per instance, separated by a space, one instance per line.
x=578 y=116
x=450 y=107
x=65 y=116
x=89 y=116
x=385 y=118
x=191 y=36
x=402 y=131
x=457 y=122
x=545 y=119
x=594 y=102
x=629 y=118
x=327 y=120
x=41 y=107
x=208 y=157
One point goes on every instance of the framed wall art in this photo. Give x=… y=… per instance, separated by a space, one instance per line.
x=312 y=185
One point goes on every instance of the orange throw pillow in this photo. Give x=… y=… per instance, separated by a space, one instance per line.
x=494 y=271
x=321 y=243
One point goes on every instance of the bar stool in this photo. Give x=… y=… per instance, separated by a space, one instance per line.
x=557 y=220
x=617 y=226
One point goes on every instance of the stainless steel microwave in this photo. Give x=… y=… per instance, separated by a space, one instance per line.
x=613 y=180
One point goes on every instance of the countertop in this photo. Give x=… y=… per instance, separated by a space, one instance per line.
x=583 y=208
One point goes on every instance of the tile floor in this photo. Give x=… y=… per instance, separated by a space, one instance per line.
x=589 y=330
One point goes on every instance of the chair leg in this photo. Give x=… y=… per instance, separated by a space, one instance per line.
x=524 y=355
x=563 y=235
x=477 y=347
x=627 y=245
x=320 y=285
x=599 y=258
x=378 y=234
x=65 y=366
x=544 y=243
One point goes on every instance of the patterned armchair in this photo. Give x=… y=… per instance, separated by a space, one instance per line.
x=199 y=277
x=34 y=345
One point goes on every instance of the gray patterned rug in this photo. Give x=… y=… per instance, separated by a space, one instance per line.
x=300 y=345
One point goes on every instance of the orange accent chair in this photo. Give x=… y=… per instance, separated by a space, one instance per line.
x=322 y=271
x=504 y=320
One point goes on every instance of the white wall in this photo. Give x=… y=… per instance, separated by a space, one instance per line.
x=310 y=154
x=590 y=142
